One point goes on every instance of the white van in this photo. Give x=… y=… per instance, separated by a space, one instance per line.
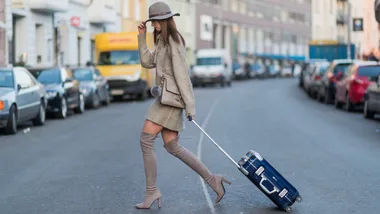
x=212 y=66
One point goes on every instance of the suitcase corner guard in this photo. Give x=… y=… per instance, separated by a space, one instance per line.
x=244 y=171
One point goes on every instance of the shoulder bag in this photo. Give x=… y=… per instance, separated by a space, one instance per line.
x=170 y=94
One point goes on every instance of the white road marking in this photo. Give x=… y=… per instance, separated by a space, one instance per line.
x=199 y=152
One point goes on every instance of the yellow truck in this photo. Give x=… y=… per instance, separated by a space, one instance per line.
x=118 y=60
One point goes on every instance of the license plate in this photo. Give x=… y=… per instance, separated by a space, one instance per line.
x=117 y=92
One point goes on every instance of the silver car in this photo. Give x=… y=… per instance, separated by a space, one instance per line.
x=22 y=98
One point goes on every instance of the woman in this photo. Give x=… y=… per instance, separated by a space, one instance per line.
x=169 y=58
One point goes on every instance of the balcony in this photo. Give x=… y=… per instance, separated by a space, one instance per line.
x=102 y=12
x=49 y=6
x=19 y=4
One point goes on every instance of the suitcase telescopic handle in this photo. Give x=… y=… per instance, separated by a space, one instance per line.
x=244 y=171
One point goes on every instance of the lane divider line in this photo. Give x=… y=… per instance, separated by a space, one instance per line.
x=199 y=153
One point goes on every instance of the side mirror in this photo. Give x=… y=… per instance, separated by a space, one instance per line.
x=69 y=79
x=22 y=86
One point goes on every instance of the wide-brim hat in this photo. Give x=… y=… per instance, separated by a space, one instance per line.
x=159 y=11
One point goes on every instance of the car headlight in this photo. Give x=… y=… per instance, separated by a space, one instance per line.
x=51 y=94
x=86 y=90
x=1 y=105
x=134 y=77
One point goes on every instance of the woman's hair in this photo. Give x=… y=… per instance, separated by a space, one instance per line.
x=168 y=28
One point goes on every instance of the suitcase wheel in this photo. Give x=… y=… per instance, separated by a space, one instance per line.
x=299 y=199
x=288 y=209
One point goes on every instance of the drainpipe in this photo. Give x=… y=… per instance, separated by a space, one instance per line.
x=349 y=30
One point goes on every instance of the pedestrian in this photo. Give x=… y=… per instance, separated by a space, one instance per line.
x=169 y=59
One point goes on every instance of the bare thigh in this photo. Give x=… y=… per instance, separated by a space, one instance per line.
x=152 y=128
x=168 y=135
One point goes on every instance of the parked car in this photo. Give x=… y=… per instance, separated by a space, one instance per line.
x=258 y=70
x=314 y=81
x=274 y=70
x=372 y=99
x=212 y=66
x=63 y=92
x=22 y=98
x=286 y=71
x=307 y=77
x=93 y=85
x=304 y=67
x=329 y=79
x=352 y=85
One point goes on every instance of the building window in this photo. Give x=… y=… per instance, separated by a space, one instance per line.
x=234 y=6
x=126 y=9
x=225 y=4
x=137 y=9
x=243 y=8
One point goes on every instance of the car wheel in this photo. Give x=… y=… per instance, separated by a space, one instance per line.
x=327 y=97
x=222 y=83
x=11 y=127
x=63 y=109
x=81 y=105
x=367 y=112
x=107 y=101
x=95 y=101
x=319 y=97
x=348 y=106
x=41 y=116
x=337 y=104
x=143 y=95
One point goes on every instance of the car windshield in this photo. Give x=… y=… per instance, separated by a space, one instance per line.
x=209 y=61
x=83 y=74
x=369 y=71
x=323 y=68
x=341 y=68
x=119 y=58
x=50 y=76
x=6 y=78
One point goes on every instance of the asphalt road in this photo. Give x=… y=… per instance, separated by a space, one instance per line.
x=92 y=163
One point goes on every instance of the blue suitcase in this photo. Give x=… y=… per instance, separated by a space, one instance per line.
x=265 y=177
x=269 y=180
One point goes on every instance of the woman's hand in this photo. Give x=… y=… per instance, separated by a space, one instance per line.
x=190 y=118
x=142 y=28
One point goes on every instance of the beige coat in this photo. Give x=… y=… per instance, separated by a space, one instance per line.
x=175 y=65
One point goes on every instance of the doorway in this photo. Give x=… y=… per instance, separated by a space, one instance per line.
x=39 y=41
x=79 y=38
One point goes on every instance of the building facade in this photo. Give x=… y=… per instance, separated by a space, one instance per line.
x=267 y=29
x=133 y=13
x=366 y=38
x=324 y=20
x=360 y=15
x=31 y=30
x=4 y=9
x=42 y=33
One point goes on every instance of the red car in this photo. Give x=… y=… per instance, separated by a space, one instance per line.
x=352 y=85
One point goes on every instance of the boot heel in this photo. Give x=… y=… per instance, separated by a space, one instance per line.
x=159 y=202
x=226 y=181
